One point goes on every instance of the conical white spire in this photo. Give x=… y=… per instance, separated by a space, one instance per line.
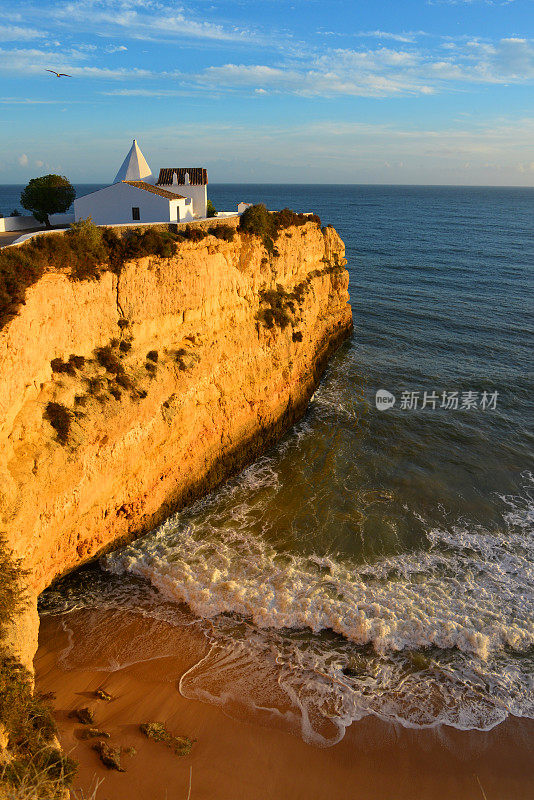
x=134 y=167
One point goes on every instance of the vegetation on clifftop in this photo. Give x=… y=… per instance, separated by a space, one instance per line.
x=85 y=250
x=31 y=762
x=267 y=225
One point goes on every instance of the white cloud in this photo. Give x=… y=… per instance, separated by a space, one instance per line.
x=15 y=33
x=407 y=38
x=39 y=164
x=150 y=92
x=148 y=21
x=29 y=101
x=35 y=62
x=410 y=63
x=328 y=76
x=23 y=160
x=382 y=71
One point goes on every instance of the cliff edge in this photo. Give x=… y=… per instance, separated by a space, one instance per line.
x=126 y=396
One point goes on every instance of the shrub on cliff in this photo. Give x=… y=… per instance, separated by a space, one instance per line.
x=80 y=250
x=67 y=367
x=224 y=232
x=87 y=250
x=108 y=359
x=211 y=211
x=278 y=308
x=286 y=218
x=18 y=270
x=150 y=242
x=261 y=222
x=60 y=419
x=193 y=234
x=257 y=220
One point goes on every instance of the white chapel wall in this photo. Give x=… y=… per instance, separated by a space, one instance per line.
x=113 y=206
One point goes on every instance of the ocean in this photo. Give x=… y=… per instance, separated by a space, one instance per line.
x=377 y=561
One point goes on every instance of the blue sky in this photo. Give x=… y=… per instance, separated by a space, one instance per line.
x=312 y=91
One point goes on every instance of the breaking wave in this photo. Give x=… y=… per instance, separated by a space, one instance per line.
x=442 y=635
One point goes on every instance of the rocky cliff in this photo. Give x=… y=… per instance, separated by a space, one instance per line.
x=123 y=398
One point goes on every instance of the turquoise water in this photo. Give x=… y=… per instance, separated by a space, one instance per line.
x=375 y=561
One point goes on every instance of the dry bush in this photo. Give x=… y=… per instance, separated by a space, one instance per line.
x=36 y=767
x=60 y=419
x=279 y=306
x=108 y=359
x=224 y=232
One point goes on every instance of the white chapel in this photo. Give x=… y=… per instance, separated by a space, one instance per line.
x=180 y=194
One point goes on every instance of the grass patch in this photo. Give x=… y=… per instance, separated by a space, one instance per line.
x=35 y=767
x=109 y=756
x=157 y=731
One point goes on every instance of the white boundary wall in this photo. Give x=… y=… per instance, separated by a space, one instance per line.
x=22 y=223
x=221 y=215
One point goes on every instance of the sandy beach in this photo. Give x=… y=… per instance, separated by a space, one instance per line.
x=238 y=755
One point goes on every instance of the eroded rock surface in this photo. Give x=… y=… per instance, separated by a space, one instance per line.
x=177 y=382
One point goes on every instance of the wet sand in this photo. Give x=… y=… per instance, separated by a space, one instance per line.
x=241 y=757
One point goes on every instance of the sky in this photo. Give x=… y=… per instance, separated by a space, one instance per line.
x=306 y=91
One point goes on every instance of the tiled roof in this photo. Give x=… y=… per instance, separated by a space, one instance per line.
x=197 y=176
x=155 y=190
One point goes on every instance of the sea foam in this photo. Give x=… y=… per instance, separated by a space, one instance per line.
x=442 y=635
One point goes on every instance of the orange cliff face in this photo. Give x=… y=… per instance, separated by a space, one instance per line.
x=178 y=380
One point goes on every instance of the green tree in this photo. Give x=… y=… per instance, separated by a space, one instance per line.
x=50 y=194
x=211 y=210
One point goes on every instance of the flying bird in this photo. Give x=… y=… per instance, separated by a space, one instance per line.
x=58 y=74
